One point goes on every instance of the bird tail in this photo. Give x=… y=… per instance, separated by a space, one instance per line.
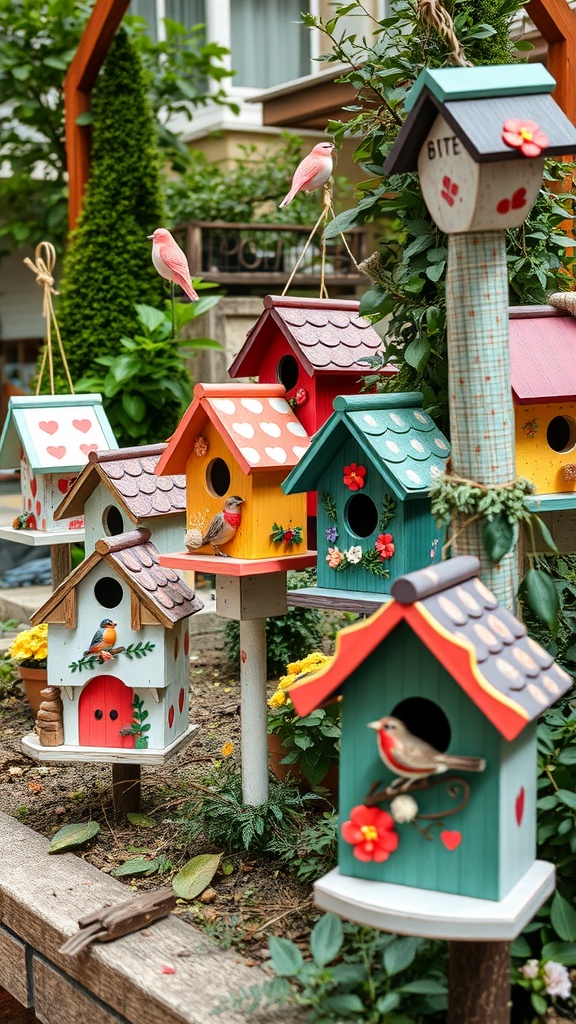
x=193 y=539
x=288 y=199
x=465 y=764
x=190 y=291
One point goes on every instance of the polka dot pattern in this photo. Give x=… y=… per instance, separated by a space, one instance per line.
x=267 y=423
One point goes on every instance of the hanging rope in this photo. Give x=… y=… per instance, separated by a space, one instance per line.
x=43 y=268
x=434 y=15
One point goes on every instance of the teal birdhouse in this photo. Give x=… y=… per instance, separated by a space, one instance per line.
x=441 y=689
x=372 y=464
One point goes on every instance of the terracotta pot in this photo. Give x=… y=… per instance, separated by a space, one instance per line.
x=275 y=754
x=35 y=680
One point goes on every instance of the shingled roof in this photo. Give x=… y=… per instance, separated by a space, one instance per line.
x=401 y=440
x=327 y=335
x=482 y=646
x=542 y=354
x=136 y=560
x=130 y=475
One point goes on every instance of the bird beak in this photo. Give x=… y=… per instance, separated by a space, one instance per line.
x=373 y=725
x=149 y=236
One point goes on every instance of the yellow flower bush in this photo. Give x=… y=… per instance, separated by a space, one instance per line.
x=30 y=648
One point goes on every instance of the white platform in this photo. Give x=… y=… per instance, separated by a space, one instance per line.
x=436 y=915
x=104 y=755
x=39 y=538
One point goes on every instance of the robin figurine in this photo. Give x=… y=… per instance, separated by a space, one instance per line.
x=221 y=529
x=103 y=640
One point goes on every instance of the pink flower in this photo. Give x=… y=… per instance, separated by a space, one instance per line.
x=525 y=136
x=530 y=969
x=354 y=476
x=371 y=833
x=384 y=544
x=557 y=980
x=334 y=557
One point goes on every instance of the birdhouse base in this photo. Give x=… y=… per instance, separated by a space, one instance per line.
x=436 y=915
x=237 y=566
x=104 y=755
x=337 y=600
x=38 y=538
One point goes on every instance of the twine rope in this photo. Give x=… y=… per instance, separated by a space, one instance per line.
x=43 y=268
x=434 y=15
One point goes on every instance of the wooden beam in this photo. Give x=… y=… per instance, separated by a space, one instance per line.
x=556 y=21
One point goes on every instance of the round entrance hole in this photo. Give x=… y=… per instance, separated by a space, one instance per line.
x=108 y=592
x=112 y=521
x=361 y=515
x=425 y=719
x=287 y=372
x=217 y=477
x=561 y=434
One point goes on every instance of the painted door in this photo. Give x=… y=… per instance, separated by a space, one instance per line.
x=105 y=707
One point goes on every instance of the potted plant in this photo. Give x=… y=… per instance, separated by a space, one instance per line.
x=306 y=747
x=30 y=652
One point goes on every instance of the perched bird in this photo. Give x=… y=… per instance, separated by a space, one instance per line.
x=221 y=530
x=103 y=640
x=170 y=261
x=411 y=758
x=312 y=172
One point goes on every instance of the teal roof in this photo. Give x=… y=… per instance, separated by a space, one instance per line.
x=56 y=432
x=400 y=439
x=481 y=82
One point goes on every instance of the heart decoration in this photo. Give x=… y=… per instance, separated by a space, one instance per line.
x=33 y=486
x=519 y=806
x=276 y=454
x=62 y=485
x=48 y=426
x=516 y=203
x=170 y=716
x=29 y=504
x=57 y=453
x=38 y=508
x=451 y=840
x=272 y=429
x=87 y=448
x=181 y=699
x=244 y=429
x=83 y=425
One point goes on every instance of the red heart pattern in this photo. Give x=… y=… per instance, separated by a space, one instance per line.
x=48 y=426
x=62 y=485
x=38 y=508
x=83 y=425
x=33 y=487
x=170 y=716
x=519 y=806
x=516 y=203
x=87 y=448
x=181 y=700
x=451 y=840
x=57 y=453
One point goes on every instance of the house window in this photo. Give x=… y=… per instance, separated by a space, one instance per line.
x=287 y=372
x=108 y=592
x=361 y=515
x=112 y=521
x=268 y=44
x=425 y=719
x=561 y=434
x=217 y=477
x=185 y=12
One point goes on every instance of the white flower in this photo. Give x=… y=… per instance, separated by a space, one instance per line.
x=403 y=808
x=354 y=554
x=557 y=980
x=530 y=968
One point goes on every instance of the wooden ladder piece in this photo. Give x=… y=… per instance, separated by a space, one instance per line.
x=110 y=923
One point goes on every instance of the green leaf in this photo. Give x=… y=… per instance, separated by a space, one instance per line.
x=563 y=918
x=548 y=542
x=399 y=954
x=520 y=948
x=567 y=797
x=137 y=866
x=285 y=957
x=542 y=597
x=341 y=223
x=85 y=118
x=149 y=317
x=497 y=536
x=70 y=836
x=326 y=939
x=193 y=878
x=425 y=987
x=388 y=1002
x=417 y=353
x=561 y=952
x=347 y=1003
x=134 y=406
x=142 y=820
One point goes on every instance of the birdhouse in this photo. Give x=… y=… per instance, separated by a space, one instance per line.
x=313 y=347
x=118 y=654
x=372 y=465
x=239 y=441
x=441 y=689
x=478 y=137
x=51 y=437
x=119 y=491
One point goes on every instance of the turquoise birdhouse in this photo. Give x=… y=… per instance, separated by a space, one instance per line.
x=372 y=464
x=440 y=689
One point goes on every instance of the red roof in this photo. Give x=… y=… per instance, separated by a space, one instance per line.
x=542 y=354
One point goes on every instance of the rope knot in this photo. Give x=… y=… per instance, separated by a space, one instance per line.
x=43 y=268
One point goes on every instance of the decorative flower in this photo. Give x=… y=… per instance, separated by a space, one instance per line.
x=301 y=396
x=200 y=446
x=354 y=554
x=289 y=536
x=332 y=534
x=530 y=968
x=384 y=545
x=525 y=136
x=334 y=557
x=292 y=535
x=30 y=647
x=556 y=979
x=277 y=699
x=371 y=833
x=403 y=808
x=354 y=476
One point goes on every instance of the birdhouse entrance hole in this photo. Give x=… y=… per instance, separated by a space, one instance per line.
x=425 y=719
x=561 y=434
x=108 y=592
x=361 y=515
x=287 y=372
x=112 y=521
x=217 y=478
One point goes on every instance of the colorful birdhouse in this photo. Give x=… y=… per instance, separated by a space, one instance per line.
x=236 y=443
x=313 y=347
x=441 y=689
x=372 y=465
x=50 y=438
x=478 y=137
x=119 y=490
x=118 y=654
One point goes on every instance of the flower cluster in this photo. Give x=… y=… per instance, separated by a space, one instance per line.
x=371 y=560
x=525 y=136
x=30 y=648
x=332 y=534
x=544 y=977
x=312 y=663
x=292 y=535
x=200 y=446
x=371 y=832
x=354 y=476
x=385 y=545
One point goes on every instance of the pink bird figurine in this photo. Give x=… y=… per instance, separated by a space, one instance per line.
x=170 y=261
x=312 y=172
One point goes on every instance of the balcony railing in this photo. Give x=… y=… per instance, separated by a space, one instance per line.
x=265 y=254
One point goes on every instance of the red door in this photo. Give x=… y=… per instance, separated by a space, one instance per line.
x=105 y=707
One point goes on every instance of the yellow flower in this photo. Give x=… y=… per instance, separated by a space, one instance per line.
x=227 y=749
x=277 y=699
x=31 y=644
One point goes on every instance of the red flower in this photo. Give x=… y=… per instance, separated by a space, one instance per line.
x=384 y=544
x=289 y=536
x=525 y=136
x=371 y=833
x=301 y=396
x=354 y=476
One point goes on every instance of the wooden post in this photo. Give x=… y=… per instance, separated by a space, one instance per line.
x=480 y=398
x=61 y=562
x=254 y=738
x=479 y=983
x=125 y=788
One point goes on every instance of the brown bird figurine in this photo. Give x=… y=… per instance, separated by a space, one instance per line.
x=411 y=758
x=221 y=529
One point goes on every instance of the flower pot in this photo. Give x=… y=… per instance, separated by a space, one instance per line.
x=35 y=680
x=276 y=753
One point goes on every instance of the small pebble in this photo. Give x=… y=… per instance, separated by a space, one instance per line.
x=208 y=896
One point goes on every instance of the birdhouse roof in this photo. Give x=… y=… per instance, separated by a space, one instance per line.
x=254 y=420
x=481 y=645
x=56 y=432
x=401 y=441
x=129 y=474
x=135 y=559
x=475 y=102
x=542 y=354
x=327 y=335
